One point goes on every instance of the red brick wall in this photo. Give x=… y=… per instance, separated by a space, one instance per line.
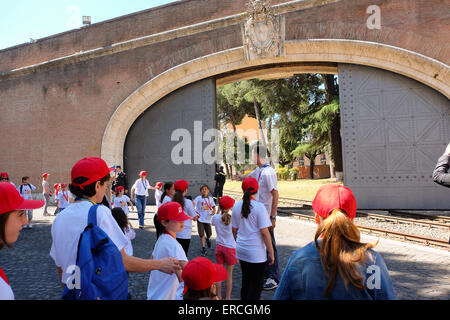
x=52 y=117
x=319 y=172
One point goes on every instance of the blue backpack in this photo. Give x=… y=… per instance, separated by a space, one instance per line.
x=102 y=273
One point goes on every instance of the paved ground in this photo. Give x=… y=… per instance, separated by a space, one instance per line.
x=417 y=272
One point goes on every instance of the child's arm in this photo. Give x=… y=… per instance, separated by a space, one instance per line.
x=183 y=263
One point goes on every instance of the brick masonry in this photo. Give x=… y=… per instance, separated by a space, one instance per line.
x=56 y=114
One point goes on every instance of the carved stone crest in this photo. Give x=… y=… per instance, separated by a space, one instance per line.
x=263 y=32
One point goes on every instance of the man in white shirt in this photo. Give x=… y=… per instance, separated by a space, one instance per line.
x=139 y=194
x=268 y=196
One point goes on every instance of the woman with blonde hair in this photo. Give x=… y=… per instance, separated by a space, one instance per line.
x=336 y=265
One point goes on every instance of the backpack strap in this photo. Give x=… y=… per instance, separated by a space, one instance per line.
x=92 y=217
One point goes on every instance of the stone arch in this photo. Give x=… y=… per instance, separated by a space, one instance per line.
x=410 y=64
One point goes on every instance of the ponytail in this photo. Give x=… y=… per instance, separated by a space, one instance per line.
x=246 y=206
x=226 y=217
x=341 y=249
x=178 y=197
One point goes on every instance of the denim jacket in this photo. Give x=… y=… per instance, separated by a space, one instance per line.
x=305 y=279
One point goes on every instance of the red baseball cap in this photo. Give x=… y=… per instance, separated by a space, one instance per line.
x=45 y=175
x=159 y=184
x=4 y=175
x=11 y=200
x=92 y=168
x=119 y=188
x=334 y=196
x=63 y=185
x=56 y=186
x=181 y=185
x=200 y=274
x=172 y=211
x=226 y=202
x=250 y=183
x=143 y=173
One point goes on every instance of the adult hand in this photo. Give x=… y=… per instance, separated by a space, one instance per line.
x=170 y=265
x=274 y=222
x=447 y=150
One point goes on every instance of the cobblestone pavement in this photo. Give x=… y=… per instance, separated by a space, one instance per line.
x=417 y=272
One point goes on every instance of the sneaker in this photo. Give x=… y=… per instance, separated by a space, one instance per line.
x=30 y=226
x=270 y=284
x=141 y=227
x=208 y=242
x=203 y=254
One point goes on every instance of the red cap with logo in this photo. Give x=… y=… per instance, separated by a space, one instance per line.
x=181 y=185
x=11 y=200
x=200 y=274
x=92 y=168
x=63 y=185
x=44 y=175
x=250 y=183
x=226 y=202
x=159 y=184
x=172 y=211
x=119 y=188
x=334 y=196
x=143 y=173
x=56 y=186
x=4 y=175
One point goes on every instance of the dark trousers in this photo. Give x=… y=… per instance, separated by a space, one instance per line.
x=252 y=280
x=185 y=244
x=273 y=271
x=218 y=191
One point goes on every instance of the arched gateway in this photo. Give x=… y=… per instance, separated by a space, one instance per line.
x=394 y=86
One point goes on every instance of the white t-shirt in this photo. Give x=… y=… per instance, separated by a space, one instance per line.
x=64 y=199
x=26 y=191
x=163 y=286
x=166 y=199
x=250 y=246
x=130 y=234
x=141 y=187
x=158 y=194
x=6 y=292
x=267 y=181
x=190 y=211
x=204 y=207
x=122 y=202
x=45 y=187
x=224 y=232
x=68 y=226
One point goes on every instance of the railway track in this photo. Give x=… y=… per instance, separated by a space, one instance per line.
x=383 y=232
x=418 y=219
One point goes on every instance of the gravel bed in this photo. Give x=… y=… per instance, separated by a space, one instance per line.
x=435 y=233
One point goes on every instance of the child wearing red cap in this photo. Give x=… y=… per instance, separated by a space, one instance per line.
x=12 y=220
x=162 y=286
x=206 y=208
x=90 y=180
x=46 y=192
x=63 y=199
x=184 y=236
x=336 y=265
x=199 y=276
x=121 y=200
x=225 y=243
x=4 y=177
x=250 y=224
x=166 y=196
x=158 y=193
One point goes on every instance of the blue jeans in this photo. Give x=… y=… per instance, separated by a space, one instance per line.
x=141 y=202
x=273 y=271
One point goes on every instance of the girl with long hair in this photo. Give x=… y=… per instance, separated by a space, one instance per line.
x=336 y=265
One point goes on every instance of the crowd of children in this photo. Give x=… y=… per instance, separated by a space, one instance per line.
x=242 y=230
